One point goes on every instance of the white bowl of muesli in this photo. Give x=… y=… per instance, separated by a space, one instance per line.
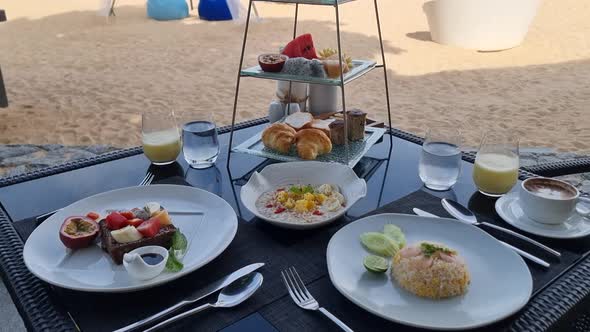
x=302 y=195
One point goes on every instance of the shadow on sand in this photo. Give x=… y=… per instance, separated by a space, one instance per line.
x=87 y=64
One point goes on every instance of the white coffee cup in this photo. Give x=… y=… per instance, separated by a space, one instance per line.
x=550 y=201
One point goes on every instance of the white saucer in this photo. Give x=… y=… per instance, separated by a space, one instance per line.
x=508 y=207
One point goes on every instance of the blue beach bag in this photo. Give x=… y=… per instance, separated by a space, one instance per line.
x=165 y=10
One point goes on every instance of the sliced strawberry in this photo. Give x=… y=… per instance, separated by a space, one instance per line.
x=150 y=227
x=135 y=222
x=127 y=214
x=116 y=221
x=93 y=215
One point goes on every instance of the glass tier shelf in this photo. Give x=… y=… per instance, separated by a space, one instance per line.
x=360 y=68
x=310 y=2
x=356 y=150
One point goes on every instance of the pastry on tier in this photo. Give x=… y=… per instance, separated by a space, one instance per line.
x=356 y=120
x=279 y=136
x=311 y=143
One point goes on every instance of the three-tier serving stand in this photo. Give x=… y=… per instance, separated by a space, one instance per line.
x=360 y=68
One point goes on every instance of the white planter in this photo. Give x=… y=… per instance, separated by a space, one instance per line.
x=486 y=25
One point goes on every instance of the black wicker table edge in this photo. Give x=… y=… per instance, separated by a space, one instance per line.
x=559 y=168
x=41 y=313
x=103 y=158
x=123 y=153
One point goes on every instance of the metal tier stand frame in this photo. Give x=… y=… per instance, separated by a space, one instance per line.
x=336 y=4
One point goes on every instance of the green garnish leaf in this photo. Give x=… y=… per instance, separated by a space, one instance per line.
x=296 y=190
x=308 y=189
x=176 y=252
x=173 y=264
x=179 y=241
x=429 y=249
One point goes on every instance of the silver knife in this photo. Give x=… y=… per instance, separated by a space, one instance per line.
x=210 y=289
x=518 y=251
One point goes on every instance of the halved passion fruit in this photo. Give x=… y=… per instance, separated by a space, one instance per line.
x=78 y=232
x=272 y=62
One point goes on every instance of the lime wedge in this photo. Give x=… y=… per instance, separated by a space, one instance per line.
x=376 y=264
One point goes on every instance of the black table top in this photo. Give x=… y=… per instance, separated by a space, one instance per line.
x=53 y=192
x=390 y=169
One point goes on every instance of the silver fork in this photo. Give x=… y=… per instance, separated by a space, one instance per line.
x=303 y=298
x=147 y=180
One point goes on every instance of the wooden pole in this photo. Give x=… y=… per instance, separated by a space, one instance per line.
x=3 y=98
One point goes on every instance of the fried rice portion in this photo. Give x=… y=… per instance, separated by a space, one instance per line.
x=435 y=275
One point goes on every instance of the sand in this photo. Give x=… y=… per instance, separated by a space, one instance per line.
x=76 y=78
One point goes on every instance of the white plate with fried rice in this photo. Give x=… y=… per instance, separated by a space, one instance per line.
x=500 y=282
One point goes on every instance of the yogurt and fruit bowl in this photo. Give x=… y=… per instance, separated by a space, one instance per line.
x=301 y=195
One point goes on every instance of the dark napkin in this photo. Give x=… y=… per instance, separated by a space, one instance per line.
x=278 y=248
x=284 y=318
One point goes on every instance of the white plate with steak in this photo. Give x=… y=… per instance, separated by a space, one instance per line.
x=61 y=257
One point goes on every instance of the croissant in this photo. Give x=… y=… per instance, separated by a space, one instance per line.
x=312 y=143
x=279 y=137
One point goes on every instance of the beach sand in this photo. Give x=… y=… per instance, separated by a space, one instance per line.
x=75 y=78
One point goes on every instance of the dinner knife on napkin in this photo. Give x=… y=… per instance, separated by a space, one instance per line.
x=210 y=289
x=523 y=253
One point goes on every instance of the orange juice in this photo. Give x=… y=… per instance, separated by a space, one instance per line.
x=162 y=146
x=495 y=173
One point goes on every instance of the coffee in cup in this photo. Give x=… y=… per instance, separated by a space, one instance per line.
x=548 y=201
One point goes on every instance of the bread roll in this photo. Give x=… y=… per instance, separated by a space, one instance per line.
x=312 y=143
x=279 y=137
x=299 y=120
x=323 y=125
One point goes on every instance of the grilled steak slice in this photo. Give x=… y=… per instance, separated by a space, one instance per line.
x=116 y=250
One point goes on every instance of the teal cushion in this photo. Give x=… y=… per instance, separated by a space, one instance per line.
x=164 y=10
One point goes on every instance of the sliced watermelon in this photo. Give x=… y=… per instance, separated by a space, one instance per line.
x=301 y=46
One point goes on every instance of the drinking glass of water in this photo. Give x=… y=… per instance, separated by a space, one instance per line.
x=200 y=143
x=440 y=162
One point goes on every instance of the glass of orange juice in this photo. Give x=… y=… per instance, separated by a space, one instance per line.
x=496 y=165
x=160 y=137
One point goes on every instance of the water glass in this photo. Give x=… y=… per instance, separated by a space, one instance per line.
x=496 y=164
x=440 y=161
x=201 y=146
x=160 y=137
